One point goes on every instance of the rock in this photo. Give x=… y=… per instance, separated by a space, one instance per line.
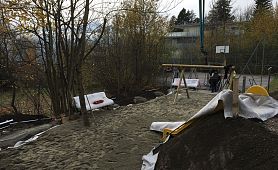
x=170 y=91
x=139 y=99
x=158 y=93
x=113 y=106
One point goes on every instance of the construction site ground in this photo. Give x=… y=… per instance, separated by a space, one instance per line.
x=116 y=139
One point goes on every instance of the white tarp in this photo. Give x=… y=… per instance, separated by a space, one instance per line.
x=94 y=101
x=250 y=106
x=260 y=107
x=189 y=82
x=7 y=121
x=33 y=138
x=159 y=126
x=149 y=161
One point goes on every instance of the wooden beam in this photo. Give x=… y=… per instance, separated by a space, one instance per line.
x=192 y=66
x=182 y=78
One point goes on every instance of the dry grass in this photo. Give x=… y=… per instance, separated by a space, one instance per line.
x=25 y=100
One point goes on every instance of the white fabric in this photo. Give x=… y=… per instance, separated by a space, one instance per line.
x=260 y=107
x=159 y=126
x=35 y=137
x=189 y=82
x=149 y=161
x=250 y=106
x=91 y=98
x=7 y=121
x=226 y=96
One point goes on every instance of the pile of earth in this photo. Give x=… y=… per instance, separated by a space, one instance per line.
x=217 y=143
x=274 y=95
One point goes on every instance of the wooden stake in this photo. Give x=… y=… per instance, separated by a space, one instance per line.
x=235 y=107
x=185 y=85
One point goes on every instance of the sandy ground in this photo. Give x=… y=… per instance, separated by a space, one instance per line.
x=117 y=139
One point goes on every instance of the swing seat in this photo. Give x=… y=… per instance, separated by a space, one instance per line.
x=94 y=101
x=258 y=90
x=189 y=82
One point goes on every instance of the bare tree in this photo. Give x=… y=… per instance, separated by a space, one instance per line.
x=62 y=31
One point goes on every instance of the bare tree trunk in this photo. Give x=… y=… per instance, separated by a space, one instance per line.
x=85 y=117
x=13 y=99
x=81 y=55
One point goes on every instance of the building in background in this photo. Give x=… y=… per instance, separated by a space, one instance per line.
x=183 y=43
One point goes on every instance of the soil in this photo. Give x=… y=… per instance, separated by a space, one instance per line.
x=274 y=95
x=148 y=93
x=116 y=139
x=216 y=143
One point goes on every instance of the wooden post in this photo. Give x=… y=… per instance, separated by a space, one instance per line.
x=243 y=84
x=235 y=106
x=185 y=85
x=182 y=77
x=232 y=77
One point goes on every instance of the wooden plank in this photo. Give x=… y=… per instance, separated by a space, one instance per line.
x=182 y=78
x=185 y=85
x=192 y=66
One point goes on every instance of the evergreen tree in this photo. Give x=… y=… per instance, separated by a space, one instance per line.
x=185 y=17
x=262 y=6
x=172 y=23
x=221 y=12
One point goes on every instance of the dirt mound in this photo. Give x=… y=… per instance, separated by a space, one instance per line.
x=274 y=95
x=216 y=143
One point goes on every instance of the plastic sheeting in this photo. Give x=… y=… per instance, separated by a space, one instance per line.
x=159 y=126
x=7 y=121
x=260 y=107
x=250 y=106
x=149 y=161
x=189 y=82
x=33 y=138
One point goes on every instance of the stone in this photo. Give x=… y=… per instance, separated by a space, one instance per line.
x=139 y=99
x=158 y=93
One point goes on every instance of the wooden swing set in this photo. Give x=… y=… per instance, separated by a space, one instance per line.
x=182 y=67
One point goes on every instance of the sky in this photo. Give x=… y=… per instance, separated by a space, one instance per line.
x=177 y=5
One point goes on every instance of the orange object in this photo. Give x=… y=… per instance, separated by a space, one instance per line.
x=258 y=90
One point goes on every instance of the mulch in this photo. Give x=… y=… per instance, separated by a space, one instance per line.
x=217 y=143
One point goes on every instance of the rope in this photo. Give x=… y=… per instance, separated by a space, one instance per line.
x=250 y=58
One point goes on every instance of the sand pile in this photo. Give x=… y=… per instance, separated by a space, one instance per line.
x=216 y=143
x=116 y=139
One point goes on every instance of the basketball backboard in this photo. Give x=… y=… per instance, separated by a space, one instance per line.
x=222 y=49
